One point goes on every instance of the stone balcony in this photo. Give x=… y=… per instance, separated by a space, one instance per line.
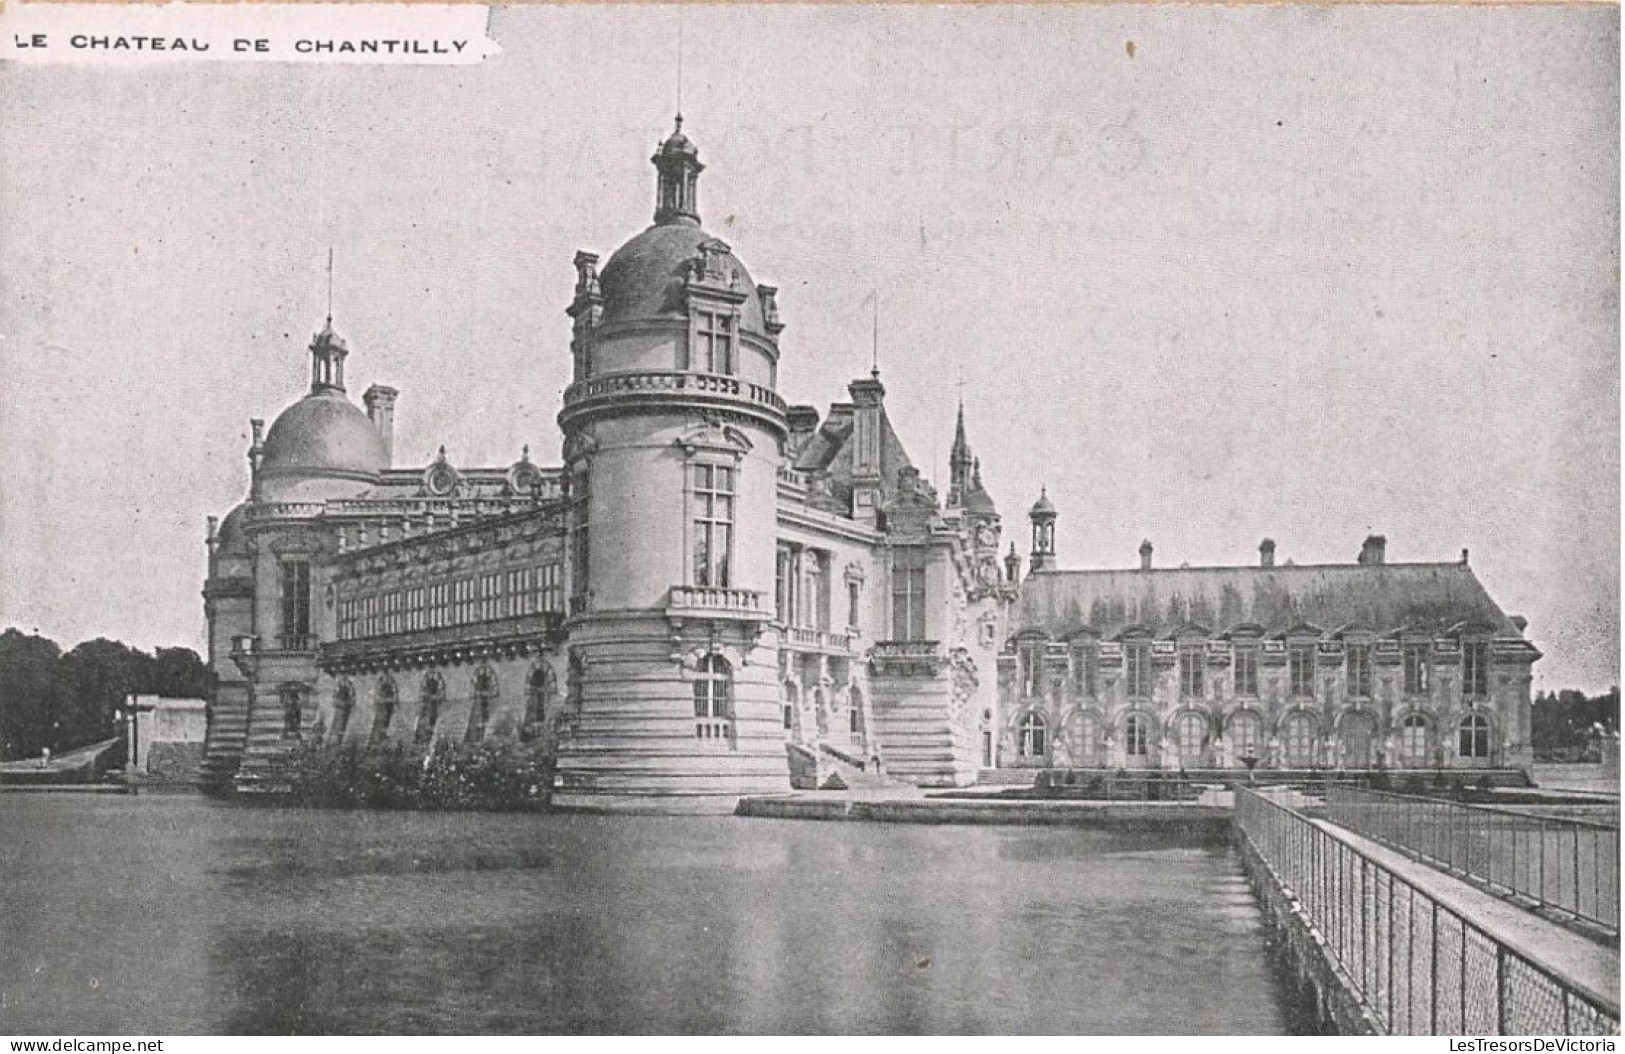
x=798 y=638
x=616 y=392
x=714 y=602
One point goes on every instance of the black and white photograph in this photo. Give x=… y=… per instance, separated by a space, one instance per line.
x=811 y=520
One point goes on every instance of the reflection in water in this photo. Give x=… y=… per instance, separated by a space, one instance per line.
x=184 y=915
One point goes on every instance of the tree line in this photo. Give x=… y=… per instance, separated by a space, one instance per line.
x=1564 y=723
x=63 y=700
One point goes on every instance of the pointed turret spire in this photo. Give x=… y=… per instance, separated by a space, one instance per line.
x=678 y=162
x=959 y=459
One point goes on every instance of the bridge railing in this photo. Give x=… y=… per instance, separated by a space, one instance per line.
x=1417 y=967
x=1571 y=865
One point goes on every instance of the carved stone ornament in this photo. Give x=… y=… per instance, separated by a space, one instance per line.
x=440 y=480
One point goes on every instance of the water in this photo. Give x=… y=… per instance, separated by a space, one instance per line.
x=183 y=915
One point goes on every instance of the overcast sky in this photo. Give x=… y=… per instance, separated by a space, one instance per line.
x=1307 y=273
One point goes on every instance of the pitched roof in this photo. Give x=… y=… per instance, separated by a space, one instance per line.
x=830 y=450
x=1384 y=598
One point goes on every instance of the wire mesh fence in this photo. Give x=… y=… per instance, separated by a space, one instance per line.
x=1566 y=864
x=1416 y=966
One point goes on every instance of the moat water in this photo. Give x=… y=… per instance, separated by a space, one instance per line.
x=184 y=915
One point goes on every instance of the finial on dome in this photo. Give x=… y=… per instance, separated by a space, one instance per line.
x=678 y=162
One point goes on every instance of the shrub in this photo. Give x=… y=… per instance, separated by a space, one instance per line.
x=501 y=775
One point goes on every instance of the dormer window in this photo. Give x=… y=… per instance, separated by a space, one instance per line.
x=712 y=348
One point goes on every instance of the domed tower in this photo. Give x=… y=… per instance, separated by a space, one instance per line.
x=323 y=446
x=673 y=436
x=268 y=568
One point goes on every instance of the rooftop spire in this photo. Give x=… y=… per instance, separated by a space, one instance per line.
x=327 y=348
x=678 y=162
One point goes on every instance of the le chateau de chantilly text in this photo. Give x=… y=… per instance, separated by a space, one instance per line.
x=245 y=45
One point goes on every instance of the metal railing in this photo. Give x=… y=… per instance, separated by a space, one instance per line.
x=1417 y=967
x=1570 y=865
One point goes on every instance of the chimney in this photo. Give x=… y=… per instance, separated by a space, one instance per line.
x=381 y=411
x=1266 y=553
x=1145 y=555
x=1464 y=558
x=1375 y=549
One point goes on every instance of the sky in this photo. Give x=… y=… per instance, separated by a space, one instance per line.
x=1300 y=272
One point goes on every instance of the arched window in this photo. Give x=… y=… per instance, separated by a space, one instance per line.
x=1413 y=740
x=293 y=711
x=1034 y=736
x=1475 y=736
x=343 y=703
x=1191 y=728
x=1136 y=735
x=479 y=714
x=384 y=713
x=434 y=694
x=1298 y=739
x=539 y=689
x=1246 y=734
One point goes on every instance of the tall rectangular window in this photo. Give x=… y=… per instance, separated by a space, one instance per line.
x=1190 y=671
x=1358 y=661
x=713 y=524
x=1416 y=669
x=1246 y=660
x=784 y=585
x=1301 y=669
x=1032 y=668
x=549 y=589
x=580 y=544
x=1085 y=660
x=713 y=343
x=1137 y=673
x=1475 y=668
x=908 y=603
x=815 y=589
x=854 y=604
x=295 y=601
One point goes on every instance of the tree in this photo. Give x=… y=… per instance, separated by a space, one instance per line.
x=179 y=673
x=99 y=674
x=31 y=693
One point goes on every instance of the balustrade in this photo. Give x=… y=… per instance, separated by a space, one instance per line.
x=673 y=381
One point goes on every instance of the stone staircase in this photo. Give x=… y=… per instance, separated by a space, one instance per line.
x=827 y=767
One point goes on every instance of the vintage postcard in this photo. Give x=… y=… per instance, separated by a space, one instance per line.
x=816 y=520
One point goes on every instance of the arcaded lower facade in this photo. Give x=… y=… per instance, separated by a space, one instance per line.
x=1363 y=665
